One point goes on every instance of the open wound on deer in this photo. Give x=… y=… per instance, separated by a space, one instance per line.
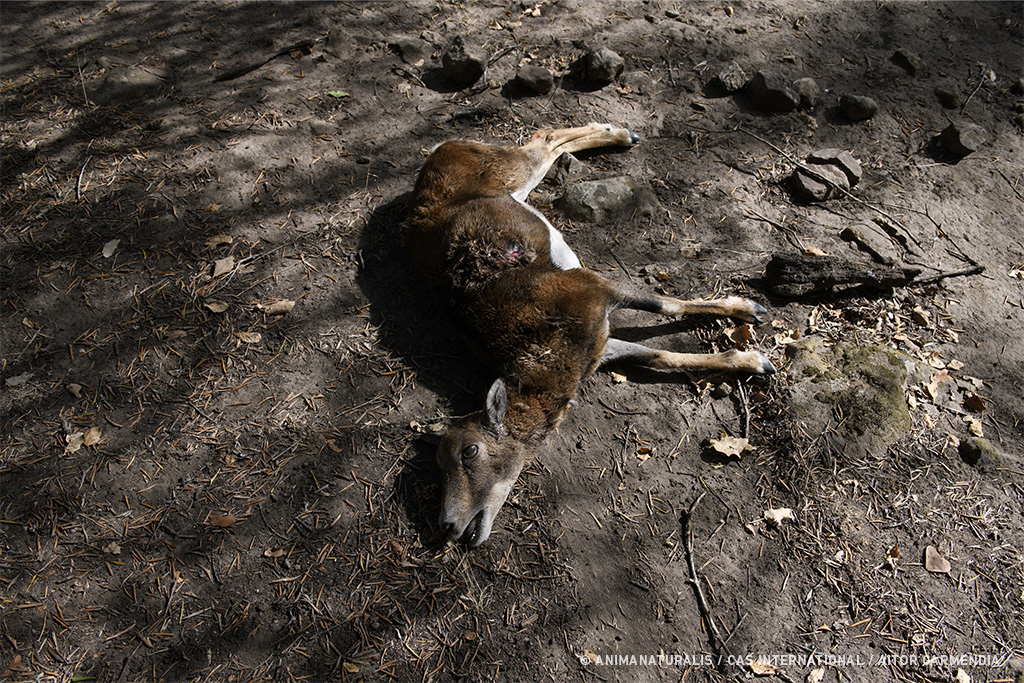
x=538 y=317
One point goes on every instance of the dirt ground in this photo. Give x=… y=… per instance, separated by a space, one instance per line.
x=199 y=483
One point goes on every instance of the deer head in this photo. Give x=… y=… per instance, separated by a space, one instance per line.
x=480 y=462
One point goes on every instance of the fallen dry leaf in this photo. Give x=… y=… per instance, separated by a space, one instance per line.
x=938 y=379
x=974 y=403
x=110 y=248
x=731 y=445
x=815 y=675
x=223 y=265
x=740 y=334
x=778 y=515
x=617 y=378
x=92 y=436
x=13 y=667
x=762 y=668
x=962 y=676
x=219 y=239
x=75 y=390
x=273 y=552
x=112 y=548
x=350 y=667
x=892 y=556
x=73 y=442
x=222 y=521
x=934 y=562
x=250 y=337
x=974 y=426
x=815 y=251
x=278 y=307
x=216 y=306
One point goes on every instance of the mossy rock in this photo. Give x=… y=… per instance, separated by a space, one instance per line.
x=858 y=391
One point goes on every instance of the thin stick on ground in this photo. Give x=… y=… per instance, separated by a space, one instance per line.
x=714 y=635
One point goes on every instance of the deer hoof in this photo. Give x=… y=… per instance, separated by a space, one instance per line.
x=767 y=368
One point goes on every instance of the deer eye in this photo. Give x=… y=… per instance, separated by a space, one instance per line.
x=470 y=452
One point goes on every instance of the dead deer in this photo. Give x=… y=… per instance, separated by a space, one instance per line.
x=524 y=300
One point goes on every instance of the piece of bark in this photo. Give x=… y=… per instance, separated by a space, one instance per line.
x=794 y=275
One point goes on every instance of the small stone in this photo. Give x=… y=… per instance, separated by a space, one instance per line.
x=977 y=450
x=671 y=14
x=771 y=92
x=909 y=62
x=1018 y=87
x=872 y=240
x=949 y=99
x=962 y=138
x=857 y=107
x=321 y=127
x=536 y=79
x=732 y=77
x=131 y=83
x=462 y=64
x=603 y=66
x=807 y=188
x=841 y=159
x=809 y=92
x=413 y=51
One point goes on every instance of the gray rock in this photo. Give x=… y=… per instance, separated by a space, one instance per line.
x=949 y=99
x=413 y=51
x=841 y=159
x=536 y=79
x=807 y=188
x=463 y=65
x=863 y=383
x=771 y=92
x=857 y=107
x=871 y=239
x=732 y=78
x=962 y=138
x=979 y=451
x=602 y=66
x=809 y=92
x=909 y=62
x=567 y=169
x=130 y=83
x=596 y=200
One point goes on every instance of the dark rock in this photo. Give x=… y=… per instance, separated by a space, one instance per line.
x=671 y=14
x=841 y=159
x=909 y=62
x=977 y=450
x=536 y=79
x=130 y=83
x=413 y=51
x=1018 y=87
x=771 y=92
x=872 y=240
x=949 y=99
x=597 y=200
x=962 y=138
x=603 y=66
x=857 y=107
x=809 y=92
x=807 y=188
x=567 y=169
x=462 y=64
x=732 y=77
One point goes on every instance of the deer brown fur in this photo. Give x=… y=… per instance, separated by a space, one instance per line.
x=523 y=299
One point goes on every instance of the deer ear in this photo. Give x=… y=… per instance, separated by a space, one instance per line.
x=497 y=402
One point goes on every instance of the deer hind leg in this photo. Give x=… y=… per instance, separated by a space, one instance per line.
x=624 y=296
x=754 y=362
